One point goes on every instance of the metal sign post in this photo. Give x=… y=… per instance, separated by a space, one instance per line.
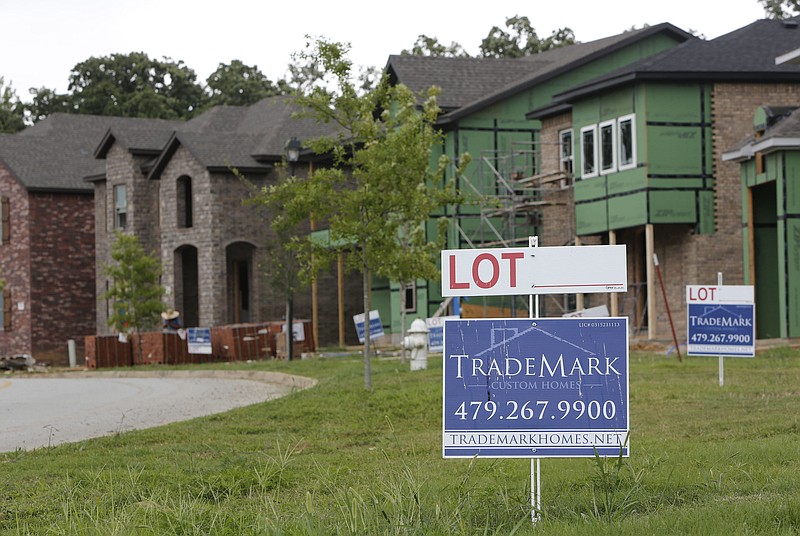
x=721 y=358
x=536 y=467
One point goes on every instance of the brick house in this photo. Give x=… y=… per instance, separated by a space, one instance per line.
x=47 y=241
x=173 y=187
x=646 y=144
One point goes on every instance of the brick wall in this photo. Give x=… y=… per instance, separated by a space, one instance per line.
x=558 y=217
x=62 y=273
x=15 y=263
x=687 y=258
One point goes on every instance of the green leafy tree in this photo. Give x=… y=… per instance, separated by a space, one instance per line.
x=780 y=9
x=46 y=102
x=135 y=292
x=11 y=109
x=521 y=40
x=126 y=85
x=376 y=196
x=237 y=84
x=430 y=46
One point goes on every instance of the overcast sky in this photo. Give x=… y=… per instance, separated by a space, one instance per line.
x=44 y=39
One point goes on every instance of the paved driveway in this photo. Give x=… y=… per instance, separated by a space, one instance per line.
x=41 y=410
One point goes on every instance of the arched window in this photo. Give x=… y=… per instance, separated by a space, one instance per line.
x=184 y=202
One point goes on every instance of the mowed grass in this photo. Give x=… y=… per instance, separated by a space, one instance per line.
x=337 y=459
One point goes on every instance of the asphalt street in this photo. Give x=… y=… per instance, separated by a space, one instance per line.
x=39 y=411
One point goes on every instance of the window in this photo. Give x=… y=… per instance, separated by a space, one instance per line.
x=5 y=220
x=565 y=151
x=120 y=207
x=5 y=310
x=411 y=297
x=588 y=152
x=608 y=149
x=626 y=127
x=184 y=200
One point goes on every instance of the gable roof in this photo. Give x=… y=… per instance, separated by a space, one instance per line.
x=470 y=84
x=744 y=55
x=782 y=132
x=250 y=138
x=56 y=153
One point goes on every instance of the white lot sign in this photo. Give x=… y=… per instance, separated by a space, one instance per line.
x=540 y=270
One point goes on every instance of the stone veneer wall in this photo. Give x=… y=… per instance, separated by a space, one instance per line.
x=122 y=168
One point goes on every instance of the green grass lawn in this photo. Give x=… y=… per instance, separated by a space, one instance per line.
x=337 y=459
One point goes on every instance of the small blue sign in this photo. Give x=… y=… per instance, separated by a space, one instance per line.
x=375 y=326
x=721 y=329
x=199 y=340
x=535 y=388
x=436 y=332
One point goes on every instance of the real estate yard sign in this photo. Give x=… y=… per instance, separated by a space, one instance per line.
x=721 y=320
x=555 y=387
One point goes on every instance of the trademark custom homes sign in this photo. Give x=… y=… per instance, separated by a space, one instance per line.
x=555 y=387
x=721 y=320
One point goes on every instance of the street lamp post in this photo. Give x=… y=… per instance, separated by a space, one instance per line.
x=293 y=147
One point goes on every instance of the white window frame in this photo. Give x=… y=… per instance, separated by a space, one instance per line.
x=620 y=121
x=563 y=159
x=593 y=173
x=411 y=288
x=604 y=167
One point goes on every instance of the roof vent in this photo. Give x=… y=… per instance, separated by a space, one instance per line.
x=791 y=24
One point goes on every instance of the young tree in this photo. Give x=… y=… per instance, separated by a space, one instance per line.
x=135 y=291
x=379 y=191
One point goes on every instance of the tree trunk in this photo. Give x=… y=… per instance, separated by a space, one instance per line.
x=367 y=304
x=289 y=330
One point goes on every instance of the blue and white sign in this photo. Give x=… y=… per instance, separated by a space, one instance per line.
x=721 y=320
x=375 y=326
x=533 y=388
x=199 y=340
x=436 y=332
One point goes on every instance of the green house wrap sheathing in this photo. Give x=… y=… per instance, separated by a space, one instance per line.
x=673 y=178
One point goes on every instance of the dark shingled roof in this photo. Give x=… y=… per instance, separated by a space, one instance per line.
x=56 y=153
x=744 y=55
x=470 y=84
x=245 y=137
x=462 y=80
x=782 y=132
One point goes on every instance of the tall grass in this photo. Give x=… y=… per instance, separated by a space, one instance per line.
x=337 y=459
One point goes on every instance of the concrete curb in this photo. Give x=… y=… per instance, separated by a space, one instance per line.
x=279 y=378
